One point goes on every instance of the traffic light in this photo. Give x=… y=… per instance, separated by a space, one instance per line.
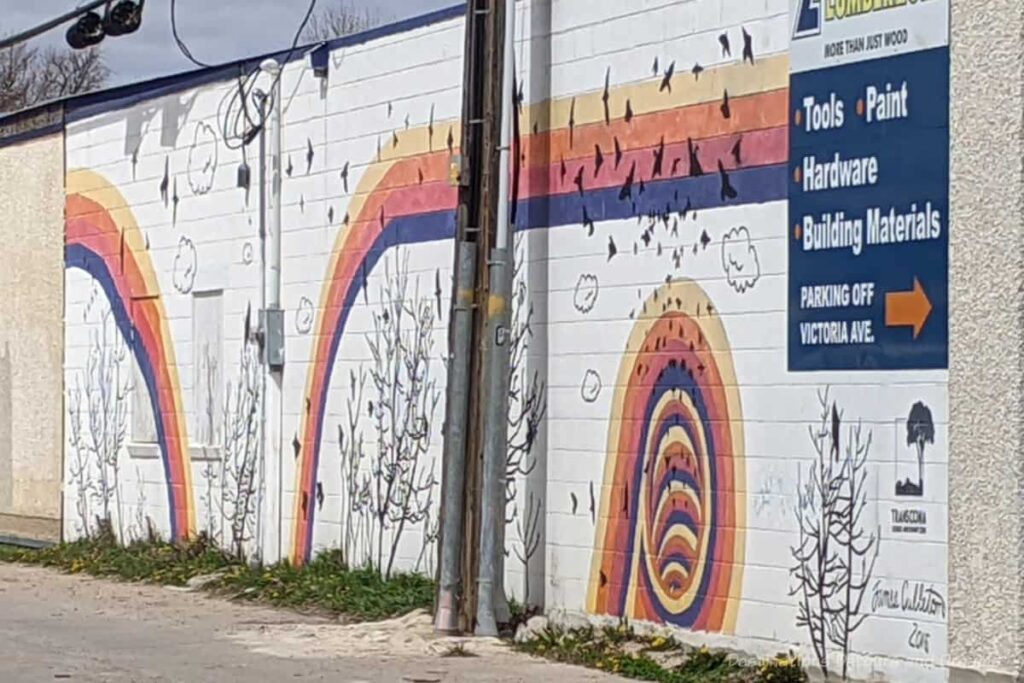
x=120 y=18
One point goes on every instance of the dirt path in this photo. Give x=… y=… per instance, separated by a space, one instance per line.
x=59 y=627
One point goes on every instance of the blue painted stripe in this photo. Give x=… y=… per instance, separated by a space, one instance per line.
x=79 y=256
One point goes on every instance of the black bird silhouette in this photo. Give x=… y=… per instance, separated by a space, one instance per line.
x=174 y=201
x=247 y=323
x=728 y=191
x=363 y=277
x=572 y=122
x=575 y=503
x=697 y=70
x=695 y=167
x=305 y=505
x=675 y=165
x=378 y=148
x=618 y=153
x=606 y=96
x=659 y=158
x=296 y=444
x=629 y=111
x=627 y=187
x=748 y=47
x=419 y=175
x=641 y=187
x=612 y=249
x=835 y=433
x=319 y=496
x=437 y=291
x=394 y=139
x=588 y=222
x=726 y=111
x=430 y=128
x=655 y=68
x=407 y=122
x=309 y=155
x=289 y=168
x=344 y=176
x=330 y=214
x=345 y=220
x=562 y=171
x=593 y=504
x=135 y=159
x=737 y=152
x=598 y=159
x=578 y=181
x=390 y=109
x=688 y=208
x=645 y=237
x=165 y=184
x=602 y=578
x=666 y=81
x=705 y=240
x=451 y=141
x=723 y=40
x=520 y=98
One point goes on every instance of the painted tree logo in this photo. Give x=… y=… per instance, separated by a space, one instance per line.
x=920 y=431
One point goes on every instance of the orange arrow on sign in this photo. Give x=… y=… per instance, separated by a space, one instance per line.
x=908 y=309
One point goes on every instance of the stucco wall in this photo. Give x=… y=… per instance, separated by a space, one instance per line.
x=986 y=348
x=31 y=379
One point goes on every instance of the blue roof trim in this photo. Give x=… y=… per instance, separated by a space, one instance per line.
x=84 y=106
x=32 y=134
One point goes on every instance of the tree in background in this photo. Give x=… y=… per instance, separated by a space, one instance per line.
x=340 y=19
x=31 y=76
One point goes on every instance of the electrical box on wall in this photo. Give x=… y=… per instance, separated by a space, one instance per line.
x=272 y=324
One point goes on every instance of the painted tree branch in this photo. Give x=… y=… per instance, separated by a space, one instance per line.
x=834 y=558
x=401 y=344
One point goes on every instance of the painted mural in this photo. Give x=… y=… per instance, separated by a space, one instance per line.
x=670 y=537
x=664 y=464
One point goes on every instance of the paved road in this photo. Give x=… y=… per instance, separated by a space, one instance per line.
x=58 y=627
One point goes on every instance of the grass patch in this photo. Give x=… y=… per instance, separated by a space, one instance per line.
x=622 y=651
x=325 y=584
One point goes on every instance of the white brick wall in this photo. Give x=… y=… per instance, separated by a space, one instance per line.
x=416 y=75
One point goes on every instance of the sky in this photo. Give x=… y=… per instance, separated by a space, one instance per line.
x=215 y=30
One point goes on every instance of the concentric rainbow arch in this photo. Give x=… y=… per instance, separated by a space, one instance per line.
x=669 y=544
x=404 y=197
x=103 y=239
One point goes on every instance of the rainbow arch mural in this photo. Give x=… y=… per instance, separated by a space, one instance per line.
x=103 y=239
x=579 y=164
x=670 y=536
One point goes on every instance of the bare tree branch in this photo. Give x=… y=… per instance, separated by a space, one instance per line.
x=338 y=20
x=30 y=76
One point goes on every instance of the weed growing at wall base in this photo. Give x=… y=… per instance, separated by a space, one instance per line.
x=325 y=584
x=620 y=650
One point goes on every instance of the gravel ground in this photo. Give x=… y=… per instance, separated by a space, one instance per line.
x=59 y=627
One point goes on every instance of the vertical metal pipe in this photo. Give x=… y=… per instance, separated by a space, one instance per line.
x=273 y=283
x=491 y=603
x=450 y=590
x=263 y=304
